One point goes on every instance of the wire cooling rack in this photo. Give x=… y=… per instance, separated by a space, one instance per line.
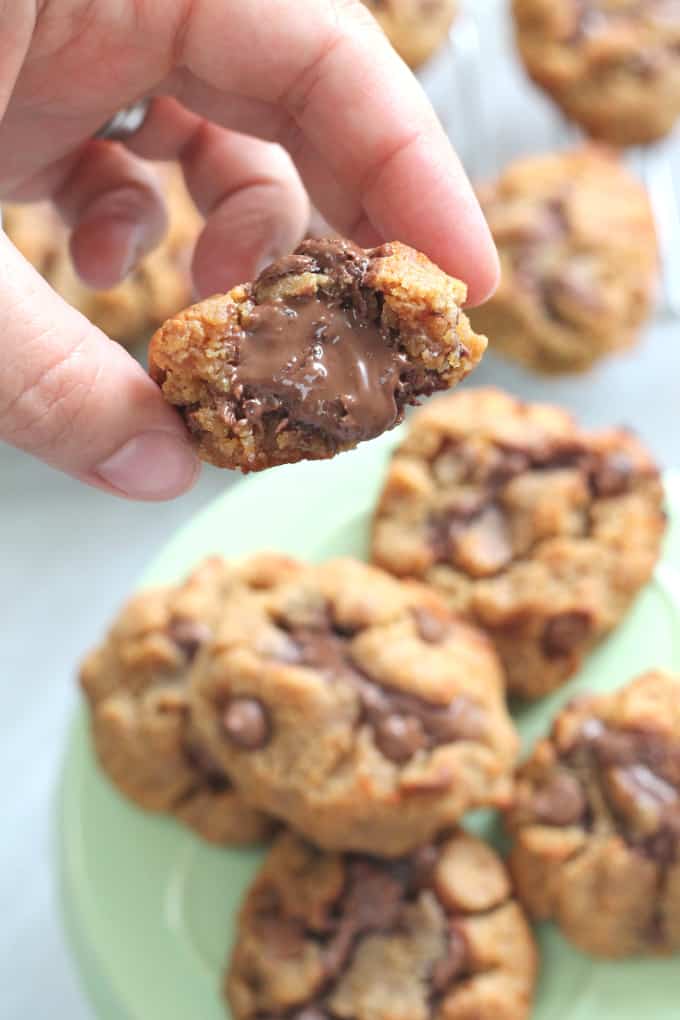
x=494 y=114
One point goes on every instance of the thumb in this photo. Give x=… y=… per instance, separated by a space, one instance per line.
x=77 y=400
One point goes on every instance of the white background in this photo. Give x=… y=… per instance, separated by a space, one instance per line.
x=69 y=556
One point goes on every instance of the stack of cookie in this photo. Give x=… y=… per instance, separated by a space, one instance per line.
x=579 y=260
x=356 y=713
x=357 y=710
x=612 y=66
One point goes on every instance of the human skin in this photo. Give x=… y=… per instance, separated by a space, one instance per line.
x=264 y=102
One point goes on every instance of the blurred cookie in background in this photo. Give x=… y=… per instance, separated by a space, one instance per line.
x=158 y=287
x=416 y=28
x=613 y=66
x=579 y=260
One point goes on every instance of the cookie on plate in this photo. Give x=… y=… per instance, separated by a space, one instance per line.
x=416 y=28
x=597 y=821
x=540 y=532
x=325 y=349
x=436 y=934
x=354 y=707
x=136 y=685
x=613 y=66
x=159 y=286
x=579 y=260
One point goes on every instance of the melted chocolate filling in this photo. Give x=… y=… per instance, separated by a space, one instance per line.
x=326 y=366
x=324 y=359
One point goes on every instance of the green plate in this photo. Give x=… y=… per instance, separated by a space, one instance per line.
x=150 y=909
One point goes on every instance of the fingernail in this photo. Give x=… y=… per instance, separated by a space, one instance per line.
x=153 y=465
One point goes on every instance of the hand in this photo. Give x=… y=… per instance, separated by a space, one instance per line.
x=264 y=102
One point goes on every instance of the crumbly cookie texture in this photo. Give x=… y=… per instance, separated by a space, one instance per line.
x=159 y=286
x=434 y=935
x=597 y=821
x=579 y=260
x=325 y=349
x=354 y=707
x=136 y=685
x=538 y=531
x=612 y=65
x=416 y=28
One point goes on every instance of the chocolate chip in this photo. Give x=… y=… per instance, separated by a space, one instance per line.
x=560 y=802
x=615 y=746
x=188 y=635
x=431 y=629
x=569 y=290
x=422 y=865
x=322 y=649
x=612 y=475
x=565 y=632
x=284 y=936
x=482 y=547
x=372 y=902
x=246 y=723
x=452 y=965
x=511 y=463
x=211 y=771
x=664 y=846
x=400 y=737
x=374 y=897
x=461 y=719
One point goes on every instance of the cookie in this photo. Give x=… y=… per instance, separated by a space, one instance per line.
x=159 y=286
x=538 y=531
x=136 y=685
x=416 y=28
x=613 y=66
x=434 y=935
x=597 y=821
x=325 y=349
x=578 y=251
x=354 y=707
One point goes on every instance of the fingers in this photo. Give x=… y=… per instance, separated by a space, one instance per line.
x=356 y=116
x=249 y=191
x=254 y=201
x=77 y=400
x=114 y=203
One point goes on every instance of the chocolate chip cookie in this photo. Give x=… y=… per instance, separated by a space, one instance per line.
x=538 y=531
x=354 y=707
x=158 y=287
x=325 y=349
x=597 y=821
x=136 y=684
x=613 y=66
x=436 y=934
x=579 y=260
x=416 y=28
